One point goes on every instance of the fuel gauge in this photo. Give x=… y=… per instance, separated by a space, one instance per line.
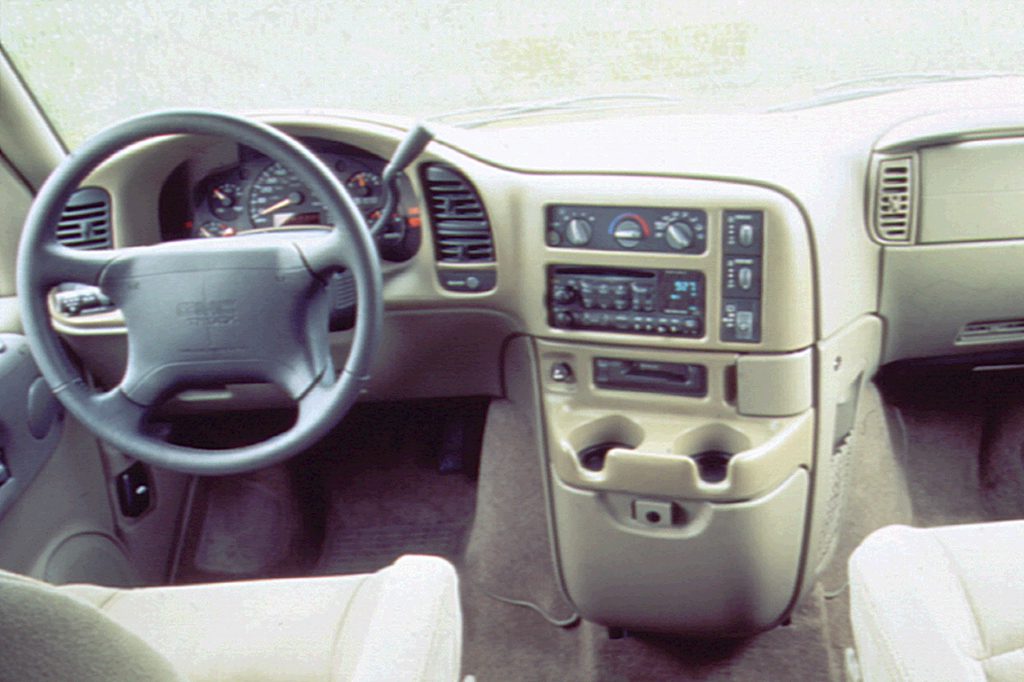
x=223 y=201
x=366 y=190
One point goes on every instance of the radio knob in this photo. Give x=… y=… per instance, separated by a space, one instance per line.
x=679 y=236
x=578 y=232
x=564 y=294
x=564 y=318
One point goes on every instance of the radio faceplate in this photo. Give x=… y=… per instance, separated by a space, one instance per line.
x=633 y=301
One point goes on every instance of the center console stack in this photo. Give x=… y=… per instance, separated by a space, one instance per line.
x=678 y=380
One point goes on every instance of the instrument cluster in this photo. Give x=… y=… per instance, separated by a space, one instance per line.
x=258 y=193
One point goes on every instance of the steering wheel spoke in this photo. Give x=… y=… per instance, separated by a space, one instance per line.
x=328 y=254
x=118 y=411
x=58 y=264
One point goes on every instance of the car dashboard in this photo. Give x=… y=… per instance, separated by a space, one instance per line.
x=688 y=306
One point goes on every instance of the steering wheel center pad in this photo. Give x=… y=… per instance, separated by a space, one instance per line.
x=219 y=310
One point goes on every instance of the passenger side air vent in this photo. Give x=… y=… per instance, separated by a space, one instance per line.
x=462 y=233
x=894 y=200
x=85 y=223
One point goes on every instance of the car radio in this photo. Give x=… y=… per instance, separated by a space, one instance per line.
x=663 y=302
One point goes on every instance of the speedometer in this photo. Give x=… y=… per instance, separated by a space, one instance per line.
x=278 y=197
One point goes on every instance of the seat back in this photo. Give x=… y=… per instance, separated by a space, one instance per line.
x=48 y=635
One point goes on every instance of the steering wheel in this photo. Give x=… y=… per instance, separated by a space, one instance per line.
x=207 y=311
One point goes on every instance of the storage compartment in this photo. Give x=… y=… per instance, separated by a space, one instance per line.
x=972 y=191
x=709 y=569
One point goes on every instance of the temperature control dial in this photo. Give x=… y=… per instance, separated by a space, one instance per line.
x=629 y=229
x=679 y=236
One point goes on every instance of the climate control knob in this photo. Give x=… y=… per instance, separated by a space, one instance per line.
x=628 y=232
x=679 y=236
x=578 y=232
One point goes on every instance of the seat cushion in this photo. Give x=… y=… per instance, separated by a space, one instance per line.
x=401 y=623
x=940 y=603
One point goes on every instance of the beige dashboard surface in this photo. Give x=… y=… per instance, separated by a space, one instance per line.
x=806 y=169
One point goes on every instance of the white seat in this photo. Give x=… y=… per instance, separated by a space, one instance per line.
x=401 y=623
x=940 y=603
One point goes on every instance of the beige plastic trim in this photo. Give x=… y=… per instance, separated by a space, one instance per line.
x=10 y=315
x=14 y=203
x=663 y=431
x=730 y=569
x=973 y=191
x=846 y=362
x=423 y=354
x=658 y=461
x=951 y=127
x=775 y=385
x=953 y=284
x=67 y=498
x=25 y=138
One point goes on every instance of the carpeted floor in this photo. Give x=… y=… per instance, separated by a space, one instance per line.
x=375 y=490
x=933 y=448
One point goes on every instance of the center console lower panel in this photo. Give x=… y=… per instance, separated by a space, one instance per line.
x=730 y=570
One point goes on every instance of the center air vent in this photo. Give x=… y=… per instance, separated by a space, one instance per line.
x=85 y=222
x=894 y=200
x=462 y=233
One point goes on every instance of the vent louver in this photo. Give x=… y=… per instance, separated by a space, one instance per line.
x=894 y=200
x=85 y=222
x=462 y=233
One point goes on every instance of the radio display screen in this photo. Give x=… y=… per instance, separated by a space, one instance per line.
x=682 y=291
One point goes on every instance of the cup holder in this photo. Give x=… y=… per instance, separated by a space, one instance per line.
x=712 y=465
x=591 y=442
x=592 y=458
x=711 y=447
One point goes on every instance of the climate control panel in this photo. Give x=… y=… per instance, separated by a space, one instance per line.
x=614 y=228
x=662 y=302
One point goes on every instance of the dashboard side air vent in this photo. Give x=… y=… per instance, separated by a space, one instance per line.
x=894 y=200
x=85 y=222
x=462 y=233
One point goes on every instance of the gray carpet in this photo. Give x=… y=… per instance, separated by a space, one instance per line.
x=931 y=451
x=373 y=491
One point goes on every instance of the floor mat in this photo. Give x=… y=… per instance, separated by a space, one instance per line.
x=364 y=550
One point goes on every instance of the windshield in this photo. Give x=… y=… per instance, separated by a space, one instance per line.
x=92 y=62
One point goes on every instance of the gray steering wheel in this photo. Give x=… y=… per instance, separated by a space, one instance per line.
x=207 y=311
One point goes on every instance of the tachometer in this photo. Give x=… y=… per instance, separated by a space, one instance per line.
x=278 y=197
